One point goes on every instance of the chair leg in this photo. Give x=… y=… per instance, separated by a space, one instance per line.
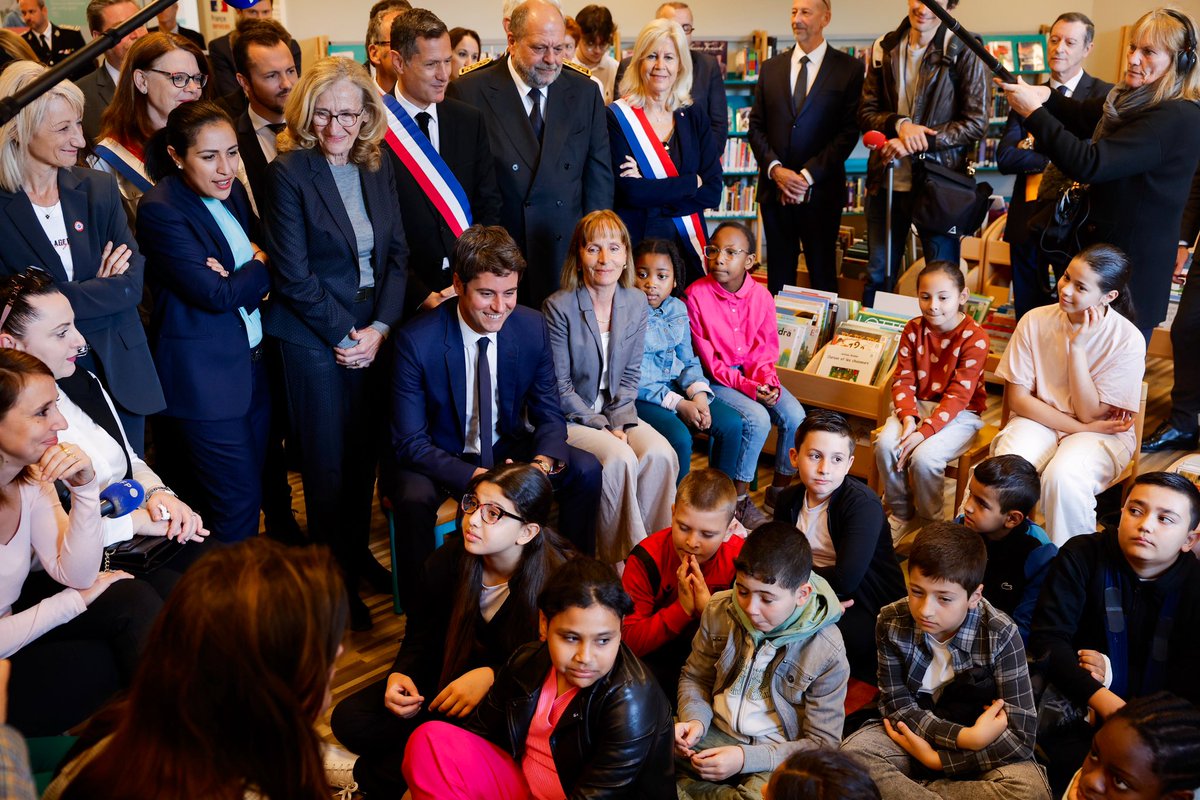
x=391 y=523
x=960 y=482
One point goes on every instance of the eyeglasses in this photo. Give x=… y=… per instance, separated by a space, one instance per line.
x=19 y=284
x=387 y=42
x=180 y=80
x=490 y=512
x=712 y=251
x=347 y=119
x=687 y=29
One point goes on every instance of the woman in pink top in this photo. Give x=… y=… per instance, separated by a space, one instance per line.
x=737 y=340
x=1073 y=375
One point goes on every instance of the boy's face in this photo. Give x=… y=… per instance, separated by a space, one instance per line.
x=982 y=514
x=939 y=607
x=823 y=460
x=698 y=533
x=1155 y=529
x=768 y=605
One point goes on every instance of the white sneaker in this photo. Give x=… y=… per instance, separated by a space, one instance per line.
x=339 y=770
x=902 y=527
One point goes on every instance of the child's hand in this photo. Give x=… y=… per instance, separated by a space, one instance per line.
x=619 y=434
x=907 y=426
x=719 y=763
x=913 y=744
x=1118 y=421
x=684 y=588
x=691 y=414
x=700 y=593
x=686 y=736
x=401 y=696
x=905 y=449
x=987 y=729
x=768 y=395
x=1093 y=662
x=462 y=694
x=1083 y=333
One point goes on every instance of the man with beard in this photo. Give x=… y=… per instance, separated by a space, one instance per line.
x=266 y=71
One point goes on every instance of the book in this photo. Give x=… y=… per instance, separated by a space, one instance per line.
x=852 y=359
x=1031 y=56
x=895 y=321
x=898 y=304
x=977 y=307
x=1003 y=52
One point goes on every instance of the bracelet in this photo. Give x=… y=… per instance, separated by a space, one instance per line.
x=155 y=490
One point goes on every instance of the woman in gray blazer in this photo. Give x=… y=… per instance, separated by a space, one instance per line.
x=597 y=326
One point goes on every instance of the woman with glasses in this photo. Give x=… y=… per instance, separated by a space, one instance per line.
x=161 y=71
x=70 y=222
x=477 y=605
x=666 y=160
x=340 y=263
x=208 y=277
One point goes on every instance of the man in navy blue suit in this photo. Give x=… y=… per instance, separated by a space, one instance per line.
x=802 y=128
x=483 y=347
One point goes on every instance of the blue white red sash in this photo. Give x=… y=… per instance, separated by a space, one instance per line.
x=126 y=164
x=426 y=165
x=654 y=162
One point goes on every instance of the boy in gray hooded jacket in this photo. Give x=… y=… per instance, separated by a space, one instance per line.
x=767 y=674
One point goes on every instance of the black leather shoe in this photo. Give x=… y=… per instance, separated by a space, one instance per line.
x=1168 y=437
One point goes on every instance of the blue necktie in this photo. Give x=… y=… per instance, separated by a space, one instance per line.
x=535 y=114
x=483 y=404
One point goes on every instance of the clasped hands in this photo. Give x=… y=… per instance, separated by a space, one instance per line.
x=713 y=763
x=986 y=730
x=793 y=186
x=695 y=412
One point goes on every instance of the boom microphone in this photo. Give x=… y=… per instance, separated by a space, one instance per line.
x=968 y=38
x=121 y=498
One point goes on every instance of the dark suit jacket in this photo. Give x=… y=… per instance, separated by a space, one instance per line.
x=98 y=90
x=195 y=37
x=708 y=93
x=253 y=158
x=546 y=189
x=464 y=146
x=220 y=54
x=647 y=205
x=1190 y=228
x=64 y=40
x=429 y=387
x=820 y=137
x=198 y=337
x=105 y=308
x=1014 y=161
x=314 y=253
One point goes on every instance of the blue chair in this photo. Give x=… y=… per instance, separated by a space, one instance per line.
x=447 y=519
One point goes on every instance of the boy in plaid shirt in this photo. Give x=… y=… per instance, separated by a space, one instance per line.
x=945 y=655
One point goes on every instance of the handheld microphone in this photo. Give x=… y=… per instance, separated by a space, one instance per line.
x=873 y=140
x=121 y=498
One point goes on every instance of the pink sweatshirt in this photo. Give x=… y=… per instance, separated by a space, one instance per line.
x=732 y=330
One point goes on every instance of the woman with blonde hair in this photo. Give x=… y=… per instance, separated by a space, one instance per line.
x=340 y=260
x=664 y=154
x=14 y=48
x=597 y=329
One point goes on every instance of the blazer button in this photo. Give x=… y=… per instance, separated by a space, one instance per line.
x=528 y=204
x=567 y=165
x=558 y=203
x=515 y=168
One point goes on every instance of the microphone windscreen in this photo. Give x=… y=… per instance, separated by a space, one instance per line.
x=121 y=498
x=873 y=140
x=241 y=5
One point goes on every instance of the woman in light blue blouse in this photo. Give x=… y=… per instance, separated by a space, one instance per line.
x=674 y=396
x=208 y=278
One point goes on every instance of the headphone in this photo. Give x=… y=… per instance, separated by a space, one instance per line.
x=1185 y=59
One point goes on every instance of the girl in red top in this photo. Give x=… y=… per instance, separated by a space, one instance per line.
x=938 y=395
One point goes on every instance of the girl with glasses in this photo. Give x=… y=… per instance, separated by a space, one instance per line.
x=477 y=604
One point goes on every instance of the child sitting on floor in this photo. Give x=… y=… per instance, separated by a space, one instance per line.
x=820 y=775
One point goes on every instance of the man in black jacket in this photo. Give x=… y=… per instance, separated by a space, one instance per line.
x=220 y=51
x=100 y=85
x=52 y=43
x=266 y=73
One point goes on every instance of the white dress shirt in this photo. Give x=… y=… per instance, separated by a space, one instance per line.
x=524 y=89
x=413 y=109
x=1070 y=84
x=266 y=137
x=471 y=358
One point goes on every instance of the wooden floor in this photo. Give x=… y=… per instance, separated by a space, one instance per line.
x=368 y=656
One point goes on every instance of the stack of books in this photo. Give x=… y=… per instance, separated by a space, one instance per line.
x=805 y=319
x=1000 y=324
x=738 y=157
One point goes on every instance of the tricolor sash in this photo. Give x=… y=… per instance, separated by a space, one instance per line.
x=653 y=161
x=426 y=165
x=127 y=165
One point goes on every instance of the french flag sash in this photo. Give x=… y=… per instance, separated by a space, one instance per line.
x=127 y=165
x=653 y=161
x=427 y=166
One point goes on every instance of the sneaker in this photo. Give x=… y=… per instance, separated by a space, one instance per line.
x=339 y=770
x=749 y=514
x=902 y=527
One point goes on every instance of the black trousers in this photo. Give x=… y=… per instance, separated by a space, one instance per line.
x=62 y=677
x=1185 y=333
x=813 y=225
x=365 y=727
x=276 y=491
x=858 y=632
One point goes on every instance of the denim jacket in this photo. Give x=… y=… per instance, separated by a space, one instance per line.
x=808 y=684
x=670 y=367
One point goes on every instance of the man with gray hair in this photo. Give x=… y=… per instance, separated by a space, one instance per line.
x=549 y=141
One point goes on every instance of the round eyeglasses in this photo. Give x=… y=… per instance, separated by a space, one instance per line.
x=712 y=251
x=490 y=512
x=180 y=80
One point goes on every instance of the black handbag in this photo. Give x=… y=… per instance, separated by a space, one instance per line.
x=948 y=202
x=1055 y=226
x=141 y=555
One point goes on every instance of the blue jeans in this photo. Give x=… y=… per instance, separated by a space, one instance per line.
x=725 y=437
x=934 y=246
x=786 y=415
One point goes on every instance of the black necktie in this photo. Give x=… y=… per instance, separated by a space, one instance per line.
x=423 y=120
x=276 y=127
x=483 y=403
x=535 y=114
x=1063 y=90
x=801 y=90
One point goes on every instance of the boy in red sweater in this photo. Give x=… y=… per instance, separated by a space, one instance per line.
x=672 y=574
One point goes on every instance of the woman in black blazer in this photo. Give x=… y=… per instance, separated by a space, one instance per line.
x=340 y=258
x=70 y=222
x=208 y=279
x=1137 y=149
x=656 y=91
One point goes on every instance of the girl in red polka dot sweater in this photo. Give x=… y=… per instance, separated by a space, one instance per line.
x=938 y=395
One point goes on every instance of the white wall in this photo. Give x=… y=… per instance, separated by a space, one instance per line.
x=346 y=21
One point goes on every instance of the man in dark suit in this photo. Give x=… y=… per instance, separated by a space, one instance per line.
x=802 y=128
x=100 y=85
x=480 y=345
x=549 y=138
x=708 y=78
x=52 y=43
x=1037 y=181
x=420 y=62
x=168 y=23
x=266 y=73
x=220 y=51
x=377 y=43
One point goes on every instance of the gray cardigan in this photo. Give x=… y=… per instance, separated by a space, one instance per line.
x=575 y=342
x=808 y=684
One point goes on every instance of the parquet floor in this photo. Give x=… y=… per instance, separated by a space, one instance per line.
x=368 y=656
